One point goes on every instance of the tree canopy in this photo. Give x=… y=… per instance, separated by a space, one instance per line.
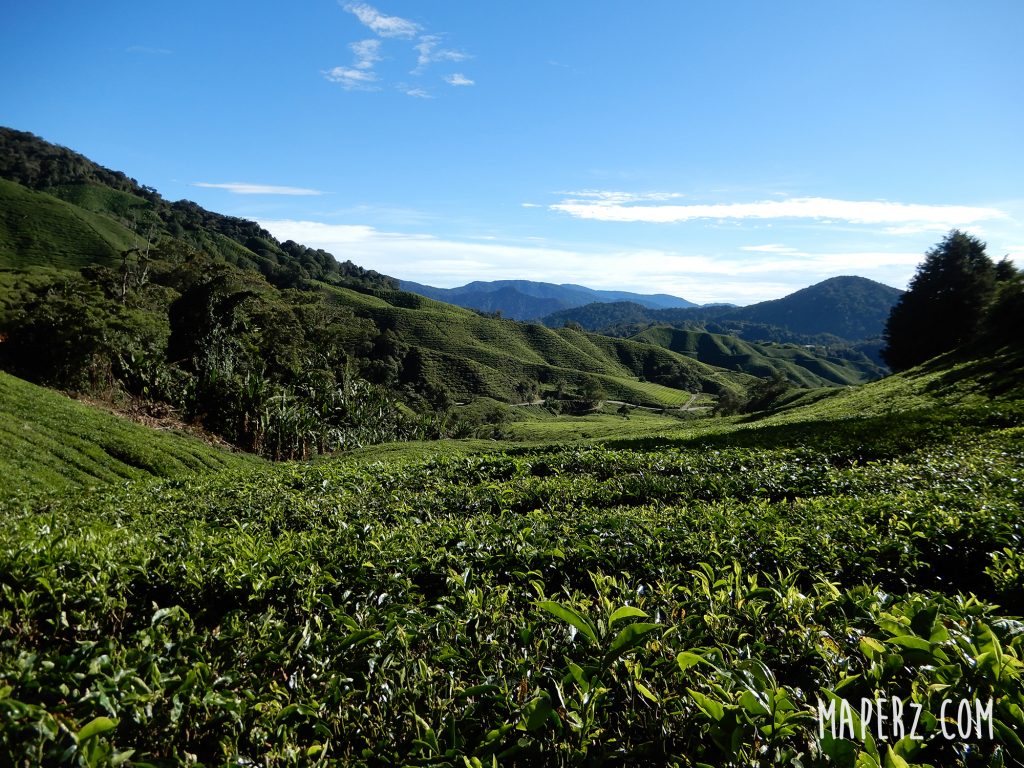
x=945 y=303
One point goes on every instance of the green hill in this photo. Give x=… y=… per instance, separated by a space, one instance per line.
x=60 y=209
x=50 y=444
x=843 y=308
x=475 y=355
x=39 y=229
x=800 y=365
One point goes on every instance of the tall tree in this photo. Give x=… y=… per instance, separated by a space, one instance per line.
x=944 y=304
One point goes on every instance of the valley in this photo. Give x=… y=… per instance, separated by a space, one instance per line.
x=352 y=524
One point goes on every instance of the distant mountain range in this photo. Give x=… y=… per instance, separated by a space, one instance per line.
x=529 y=300
x=849 y=308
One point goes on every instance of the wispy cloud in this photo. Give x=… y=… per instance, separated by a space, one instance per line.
x=429 y=53
x=613 y=197
x=360 y=76
x=243 y=188
x=623 y=207
x=367 y=53
x=385 y=26
x=415 y=92
x=458 y=79
x=428 y=49
x=352 y=78
x=770 y=248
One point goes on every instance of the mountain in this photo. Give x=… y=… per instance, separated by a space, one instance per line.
x=800 y=365
x=59 y=209
x=847 y=308
x=501 y=358
x=529 y=300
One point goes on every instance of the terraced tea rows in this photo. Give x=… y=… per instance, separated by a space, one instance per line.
x=564 y=606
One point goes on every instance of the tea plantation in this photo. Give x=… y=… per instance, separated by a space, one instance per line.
x=695 y=598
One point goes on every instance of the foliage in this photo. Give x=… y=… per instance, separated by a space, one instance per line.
x=944 y=304
x=459 y=610
x=845 y=308
x=50 y=444
x=91 y=211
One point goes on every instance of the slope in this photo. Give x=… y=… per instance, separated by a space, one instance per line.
x=530 y=300
x=499 y=358
x=798 y=364
x=49 y=444
x=39 y=229
x=848 y=308
x=60 y=209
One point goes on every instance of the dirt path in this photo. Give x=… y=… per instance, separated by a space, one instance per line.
x=689 y=406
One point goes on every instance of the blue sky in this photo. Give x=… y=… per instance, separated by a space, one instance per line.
x=727 y=151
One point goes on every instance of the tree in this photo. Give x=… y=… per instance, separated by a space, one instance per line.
x=944 y=304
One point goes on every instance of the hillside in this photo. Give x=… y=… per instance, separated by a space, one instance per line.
x=845 y=308
x=63 y=212
x=800 y=365
x=503 y=359
x=281 y=350
x=50 y=444
x=60 y=209
x=491 y=593
x=529 y=300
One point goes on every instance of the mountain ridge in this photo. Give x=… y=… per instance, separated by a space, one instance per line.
x=847 y=307
x=531 y=299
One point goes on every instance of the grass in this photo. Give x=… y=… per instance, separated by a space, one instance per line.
x=38 y=229
x=50 y=444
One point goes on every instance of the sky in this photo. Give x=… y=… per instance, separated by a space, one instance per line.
x=718 y=151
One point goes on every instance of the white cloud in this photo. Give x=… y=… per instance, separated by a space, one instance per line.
x=620 y=207
x=611 y=197
x=385 y=26
x=771 y=248
x=367 y=53
x=531 y=205
x=697 y=277
x=430 y=53
x=352 y=78
x=242 y=188
x=360 y=75
x=458 y=79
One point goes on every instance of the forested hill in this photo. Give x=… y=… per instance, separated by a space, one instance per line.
x=60 y=209
x=850 y=308
x=531 y=300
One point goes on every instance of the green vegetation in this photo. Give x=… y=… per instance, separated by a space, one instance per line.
x=39 y=229
x=506 y=360
x=684 y=604
x=626 y=585
x=839 y=309
x=957 y=296
x=50 y=444
x=58 y=208
x=798 y=364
